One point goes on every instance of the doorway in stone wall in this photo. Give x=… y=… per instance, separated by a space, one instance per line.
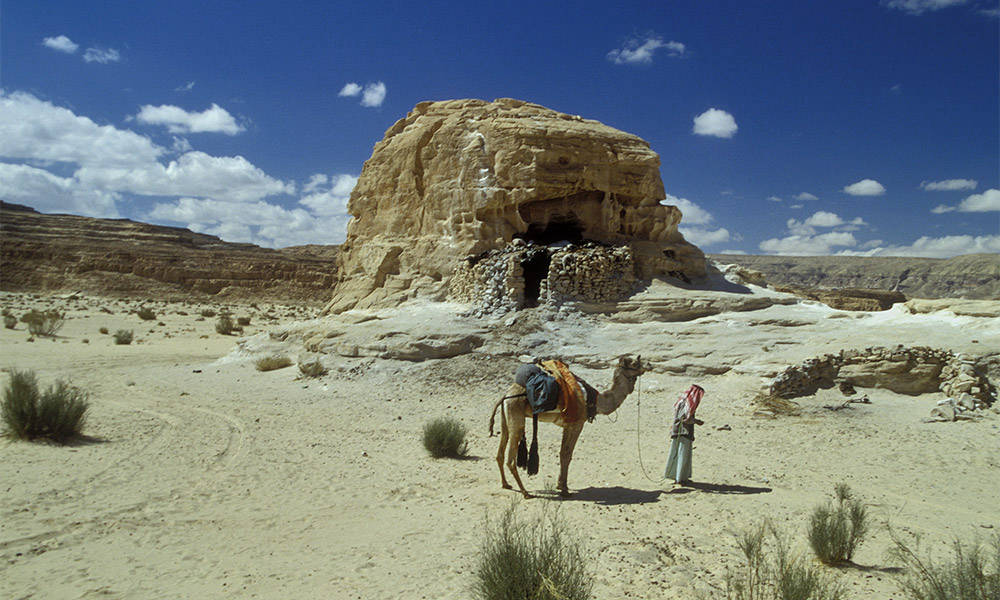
x=536 y=268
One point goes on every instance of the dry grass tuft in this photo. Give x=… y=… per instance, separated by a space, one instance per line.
x=772 y=407
x=272 y=363
x=57 y=414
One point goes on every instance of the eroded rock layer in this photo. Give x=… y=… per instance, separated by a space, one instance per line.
x=117 y=257
x=464 y=177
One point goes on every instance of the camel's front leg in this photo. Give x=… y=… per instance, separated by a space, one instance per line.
x=570 y=435
x=516 y=435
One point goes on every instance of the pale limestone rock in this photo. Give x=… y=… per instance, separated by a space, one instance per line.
x=462 y=177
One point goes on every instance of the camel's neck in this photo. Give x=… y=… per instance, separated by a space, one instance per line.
x=621 y=386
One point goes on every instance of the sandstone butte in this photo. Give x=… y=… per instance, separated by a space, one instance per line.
x=463 y=177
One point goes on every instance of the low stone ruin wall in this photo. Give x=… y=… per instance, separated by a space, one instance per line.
x=495 y=281
x=912 y=371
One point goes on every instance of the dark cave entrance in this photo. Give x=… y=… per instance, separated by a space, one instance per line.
x=536 y=269
x=558 y=229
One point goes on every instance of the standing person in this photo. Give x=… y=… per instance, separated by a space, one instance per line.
x=682 y=435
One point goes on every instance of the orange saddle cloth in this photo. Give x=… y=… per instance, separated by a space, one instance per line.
x=572 y=400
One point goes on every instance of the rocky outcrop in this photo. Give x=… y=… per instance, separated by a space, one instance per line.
x=462 y=178
x=67 y=253
x=973 y=276
x=903 y=370
x=848 y=298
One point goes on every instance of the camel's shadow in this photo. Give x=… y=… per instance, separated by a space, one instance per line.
x=612 y=496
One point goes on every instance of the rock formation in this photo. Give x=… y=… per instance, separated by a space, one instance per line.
x=973 y=276
x=118 y=257
x=461 y=178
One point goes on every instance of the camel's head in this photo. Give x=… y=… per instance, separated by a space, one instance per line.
x=633 y=367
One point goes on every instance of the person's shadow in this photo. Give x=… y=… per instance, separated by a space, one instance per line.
x=718 y=488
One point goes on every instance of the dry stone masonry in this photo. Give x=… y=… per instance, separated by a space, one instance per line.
x=468 y=177
x=914 y=371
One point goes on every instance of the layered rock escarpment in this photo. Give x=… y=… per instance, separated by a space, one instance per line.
x=972 y=276
x=117 y=257
x=462 y=178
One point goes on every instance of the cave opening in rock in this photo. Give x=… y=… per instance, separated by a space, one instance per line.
x=558 y=229
x=536 y=269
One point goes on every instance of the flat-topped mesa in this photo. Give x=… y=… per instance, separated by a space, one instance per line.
x=464 y=177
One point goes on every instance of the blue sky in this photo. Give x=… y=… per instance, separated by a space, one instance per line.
x=855 y=126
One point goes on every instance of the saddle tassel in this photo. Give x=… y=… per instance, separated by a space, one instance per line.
x=533 y=454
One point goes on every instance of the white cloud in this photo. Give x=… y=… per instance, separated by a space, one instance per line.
x=102 y=55
x=805 y=196
x=695 y=221
x=373 y=94
x=806 y=245
x=640 y=50
x=692 y=213
x=949 y=185
x=942 y=247
x=33 y=129
x=940 y=209
x=61 y=43
x=988 y=201
x=350 y=89
x=824 y=219
x=214 y=119
x=919 y=7
x=795 y=206
x=47 y=192
x=865 y=187
x=331 y=202
x=701 y=237
x=180 y=145
x=715 y=122
x=314 y=183
x=774 y=198
x=187 y=87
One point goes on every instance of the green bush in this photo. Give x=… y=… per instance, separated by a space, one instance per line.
x=312 y=368
x=46 y=323
x=836 y=530
x=146 y=314
x=966 y=576
x=58 y=413
x=9 y=321
x=532 y=558
x=445 y=437
x=773 y=573
x=123 y=337
x=271 y=363
x=224 y=325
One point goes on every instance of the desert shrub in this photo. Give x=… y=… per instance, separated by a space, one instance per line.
x=312 y=368
x=530 y=558
x=58 y=413
x=836 y=530
x=104 y=330
x=146 y=314
x=123 y=337
x=207 y=312
x=6 y=312
x=271 y=363
x=445 y=437
x=9 y=321
x=224 y=325
x=243 y=321
x=45 y=323
x=970 y=574
x=772 y=572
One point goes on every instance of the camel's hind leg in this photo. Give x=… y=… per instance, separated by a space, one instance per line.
x=504 y=434
x=570 y=435
x=514 y=418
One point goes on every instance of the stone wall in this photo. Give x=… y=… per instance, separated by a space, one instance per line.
x=495 y=281
x=912 y=371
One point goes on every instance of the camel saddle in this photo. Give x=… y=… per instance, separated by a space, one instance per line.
x=572 y=396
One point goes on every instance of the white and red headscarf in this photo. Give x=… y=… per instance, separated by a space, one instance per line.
x=688 y=402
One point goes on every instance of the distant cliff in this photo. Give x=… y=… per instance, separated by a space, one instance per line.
x=118 y=257
x=974 y=276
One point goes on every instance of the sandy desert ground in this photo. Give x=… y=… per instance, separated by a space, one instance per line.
x=204 y=478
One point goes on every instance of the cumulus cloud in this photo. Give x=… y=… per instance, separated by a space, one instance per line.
x=47 y=192
x=919 y=7
x=988 y=201
x=949 y=185
x=703 y=237
x=805 y=196
x=60 y=43
x=640 y=50
x=102 y=55
x=774 y=198
x=692 y=214
x=695 y=223
x=214 y=119
x=715 y=122
x=350 y=89
x=942 y=247
x=940 y=209
x=824 y=219
x=807 y=245
x=187 y=87
x=373 y=95
x=865 y=187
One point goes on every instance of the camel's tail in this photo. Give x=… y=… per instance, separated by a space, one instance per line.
x=493 y=414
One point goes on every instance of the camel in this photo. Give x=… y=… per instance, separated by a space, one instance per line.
x=516 y=410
